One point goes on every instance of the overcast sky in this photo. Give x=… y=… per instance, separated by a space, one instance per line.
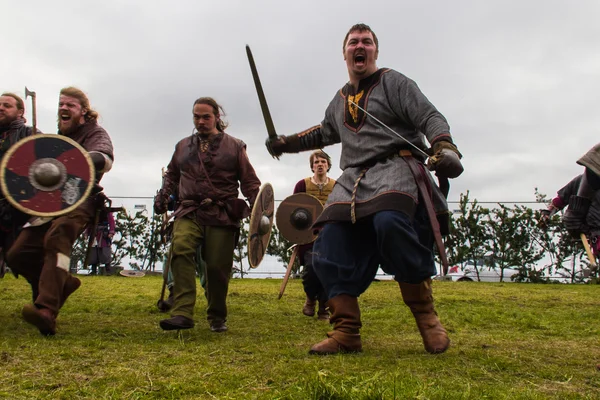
x=518 y=81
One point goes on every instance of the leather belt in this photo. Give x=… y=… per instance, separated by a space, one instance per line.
x=419 y=174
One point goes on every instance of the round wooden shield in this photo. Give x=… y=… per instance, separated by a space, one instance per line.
x=46 y=175
x=296 y=215
x=261 y=222
x=130 y=273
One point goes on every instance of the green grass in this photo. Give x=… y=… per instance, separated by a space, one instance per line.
x=509 y=341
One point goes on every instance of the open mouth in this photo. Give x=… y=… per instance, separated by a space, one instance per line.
x=64 y=117
x=360 y=59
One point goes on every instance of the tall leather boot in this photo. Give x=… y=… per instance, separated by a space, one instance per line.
x=419 y=299
x=71 y=285
x=345 y=337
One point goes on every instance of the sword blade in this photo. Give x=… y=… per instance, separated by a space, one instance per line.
x=388 y=128
x=261 y=96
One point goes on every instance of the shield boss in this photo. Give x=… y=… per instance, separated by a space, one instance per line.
x=296 y=215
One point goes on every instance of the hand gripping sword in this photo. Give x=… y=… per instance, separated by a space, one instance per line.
x=261 y=97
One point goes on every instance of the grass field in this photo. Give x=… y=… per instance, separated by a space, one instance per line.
x=509 y=341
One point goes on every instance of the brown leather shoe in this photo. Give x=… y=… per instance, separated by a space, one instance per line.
x=323 y=313
x=218 y=326
x=176 y=323
x=309 y=307
x=352 y=344
x=41 y=318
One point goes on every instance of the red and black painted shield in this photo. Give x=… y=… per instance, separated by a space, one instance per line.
x=261 y=222
x=46 y=175
x=295 y=216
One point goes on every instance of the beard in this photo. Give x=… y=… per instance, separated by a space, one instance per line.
x=68 y=126
x=5 y=120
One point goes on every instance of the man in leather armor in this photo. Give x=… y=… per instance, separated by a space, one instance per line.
x=42 y=251
x=207 y=171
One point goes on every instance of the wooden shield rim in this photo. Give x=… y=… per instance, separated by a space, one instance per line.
x=28 y=211
x=130 y=273
x=300 y=194
x=255 y=214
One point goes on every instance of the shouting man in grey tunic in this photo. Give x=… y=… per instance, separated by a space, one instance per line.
x=385 y=209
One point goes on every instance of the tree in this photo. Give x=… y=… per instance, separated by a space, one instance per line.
x=512 y=244
x=128 y=241
x=468 y=235
x=78 y=253
x=280 y=248
x=155 y=248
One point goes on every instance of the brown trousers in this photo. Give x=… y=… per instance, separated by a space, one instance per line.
x=36 y=252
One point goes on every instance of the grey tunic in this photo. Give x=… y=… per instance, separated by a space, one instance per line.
x=388 y=184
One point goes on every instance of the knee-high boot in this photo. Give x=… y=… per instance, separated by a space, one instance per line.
x=345 y=337
x=419 y=299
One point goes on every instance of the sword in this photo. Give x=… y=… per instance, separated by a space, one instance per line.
x=261 y=97
x=390 y=129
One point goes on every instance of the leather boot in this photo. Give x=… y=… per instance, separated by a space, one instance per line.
x=323 y=313
x=71 y=285
x=309 y=307
x=345 y=337
x=177 y=322
x=419 y=299
x=42 y=318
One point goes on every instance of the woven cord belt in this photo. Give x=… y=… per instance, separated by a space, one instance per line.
x=353 y=201
x=419 y=174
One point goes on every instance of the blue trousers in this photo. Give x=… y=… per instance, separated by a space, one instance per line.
x=347 y=256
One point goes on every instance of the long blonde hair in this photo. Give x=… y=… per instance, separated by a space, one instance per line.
x=91 y=114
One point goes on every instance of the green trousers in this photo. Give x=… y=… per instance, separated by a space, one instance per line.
x=200 y=268
x=218 y=244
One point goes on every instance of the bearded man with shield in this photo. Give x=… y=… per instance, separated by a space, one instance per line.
x=385 y=209
x=12 y=129
x=56 y=179
x=207 y=170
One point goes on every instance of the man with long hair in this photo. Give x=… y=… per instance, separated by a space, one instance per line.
x=42 y=250
x=207 y=171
